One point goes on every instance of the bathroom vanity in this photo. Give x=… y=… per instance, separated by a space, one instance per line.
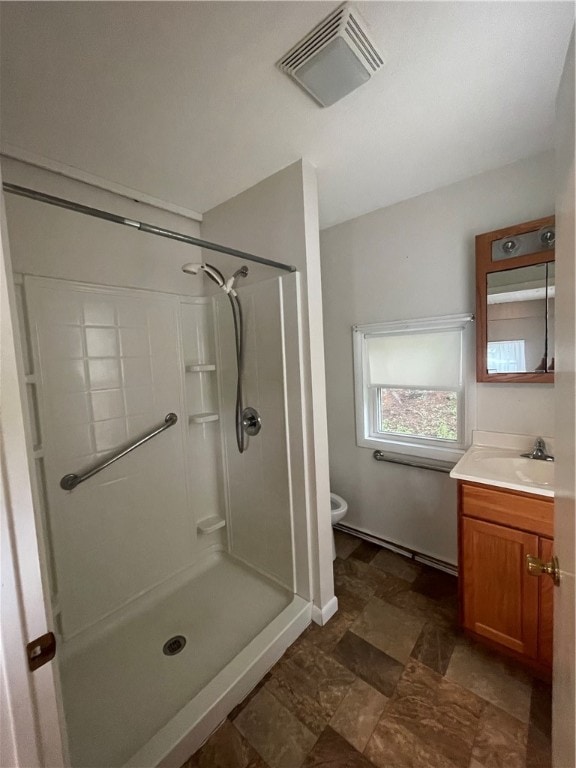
x=505 y=515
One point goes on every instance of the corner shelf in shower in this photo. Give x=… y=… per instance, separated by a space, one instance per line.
x=210 y=524
x=202 y=418
x=199 y=367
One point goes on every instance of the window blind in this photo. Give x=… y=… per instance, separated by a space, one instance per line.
x=426 y=359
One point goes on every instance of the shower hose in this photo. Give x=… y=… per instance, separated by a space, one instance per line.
x=238 y=335
x=239 y=343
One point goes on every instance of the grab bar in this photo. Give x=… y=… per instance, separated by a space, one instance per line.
x=69 y=482
x=434 y=464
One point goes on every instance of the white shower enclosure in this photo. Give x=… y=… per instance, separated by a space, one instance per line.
x=179 y=573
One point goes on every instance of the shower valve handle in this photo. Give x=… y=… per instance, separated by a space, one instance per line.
x=251 y=421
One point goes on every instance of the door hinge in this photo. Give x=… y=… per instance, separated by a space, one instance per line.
x=41 y=651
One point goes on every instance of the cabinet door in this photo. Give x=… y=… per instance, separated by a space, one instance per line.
x=546 y=618
x=500 y=597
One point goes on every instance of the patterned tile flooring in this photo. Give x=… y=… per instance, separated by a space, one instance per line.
x=389 y=682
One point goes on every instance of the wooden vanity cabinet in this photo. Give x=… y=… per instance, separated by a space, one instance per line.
x=500 y=602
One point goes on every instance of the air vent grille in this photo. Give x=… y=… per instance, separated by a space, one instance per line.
x=320 y=36
x=364 y=46
x=320 y=58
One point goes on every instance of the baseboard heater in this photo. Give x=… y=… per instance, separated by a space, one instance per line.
x=413 y=554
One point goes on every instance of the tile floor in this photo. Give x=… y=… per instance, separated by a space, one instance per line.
x=389 y=682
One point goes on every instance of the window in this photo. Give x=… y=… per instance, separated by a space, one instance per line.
x=506 y=356
x=410 y=388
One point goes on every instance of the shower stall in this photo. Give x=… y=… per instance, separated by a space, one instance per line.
x=168 y=443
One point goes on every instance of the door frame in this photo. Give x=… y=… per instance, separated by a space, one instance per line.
x=33 y=722
x=564 y=685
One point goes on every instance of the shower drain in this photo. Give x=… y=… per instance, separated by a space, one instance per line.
x=174 y=645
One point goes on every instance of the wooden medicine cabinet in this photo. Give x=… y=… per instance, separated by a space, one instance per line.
x=515 y=303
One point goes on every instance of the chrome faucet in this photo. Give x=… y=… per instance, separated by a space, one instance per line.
x=538 y=452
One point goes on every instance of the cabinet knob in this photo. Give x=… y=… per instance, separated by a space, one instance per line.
x=536 y=567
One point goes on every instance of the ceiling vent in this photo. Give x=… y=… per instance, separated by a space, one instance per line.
x=334 y=58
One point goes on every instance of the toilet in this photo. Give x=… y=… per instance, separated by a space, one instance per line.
x=338 y=508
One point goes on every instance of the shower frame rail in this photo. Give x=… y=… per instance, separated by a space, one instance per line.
x=151 y=229
x=69 y=482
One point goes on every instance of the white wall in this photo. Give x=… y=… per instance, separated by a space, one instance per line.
x=564 y=700
x=53 y=242
x=278 y=219
x=416 y=259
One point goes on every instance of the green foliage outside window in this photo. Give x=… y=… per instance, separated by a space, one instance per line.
x=420 y=413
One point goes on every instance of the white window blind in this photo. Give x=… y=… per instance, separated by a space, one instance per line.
x=429 y=359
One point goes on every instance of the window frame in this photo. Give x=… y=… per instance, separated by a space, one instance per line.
x=445 y=452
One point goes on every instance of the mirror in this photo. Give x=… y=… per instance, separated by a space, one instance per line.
x=515 y=303
x=516 y=317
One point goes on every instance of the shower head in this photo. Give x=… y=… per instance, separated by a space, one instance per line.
x=213 y=273
x=217 y=276
x=192 y=269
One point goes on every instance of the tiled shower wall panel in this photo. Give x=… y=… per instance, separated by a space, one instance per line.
x=108 y=365
x=259 y=500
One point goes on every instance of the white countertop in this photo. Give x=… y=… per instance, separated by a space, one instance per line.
x=495 y=459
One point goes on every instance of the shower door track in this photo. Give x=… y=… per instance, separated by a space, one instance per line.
x=151 y=229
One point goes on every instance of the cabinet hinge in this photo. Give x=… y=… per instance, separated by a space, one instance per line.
x=41 y=650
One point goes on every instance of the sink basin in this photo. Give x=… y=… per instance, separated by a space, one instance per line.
x=506 y=469
x=530 y=471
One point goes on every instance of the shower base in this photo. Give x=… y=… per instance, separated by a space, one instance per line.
x=127 y=703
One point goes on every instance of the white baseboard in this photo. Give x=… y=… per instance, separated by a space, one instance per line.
x=323 y=615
